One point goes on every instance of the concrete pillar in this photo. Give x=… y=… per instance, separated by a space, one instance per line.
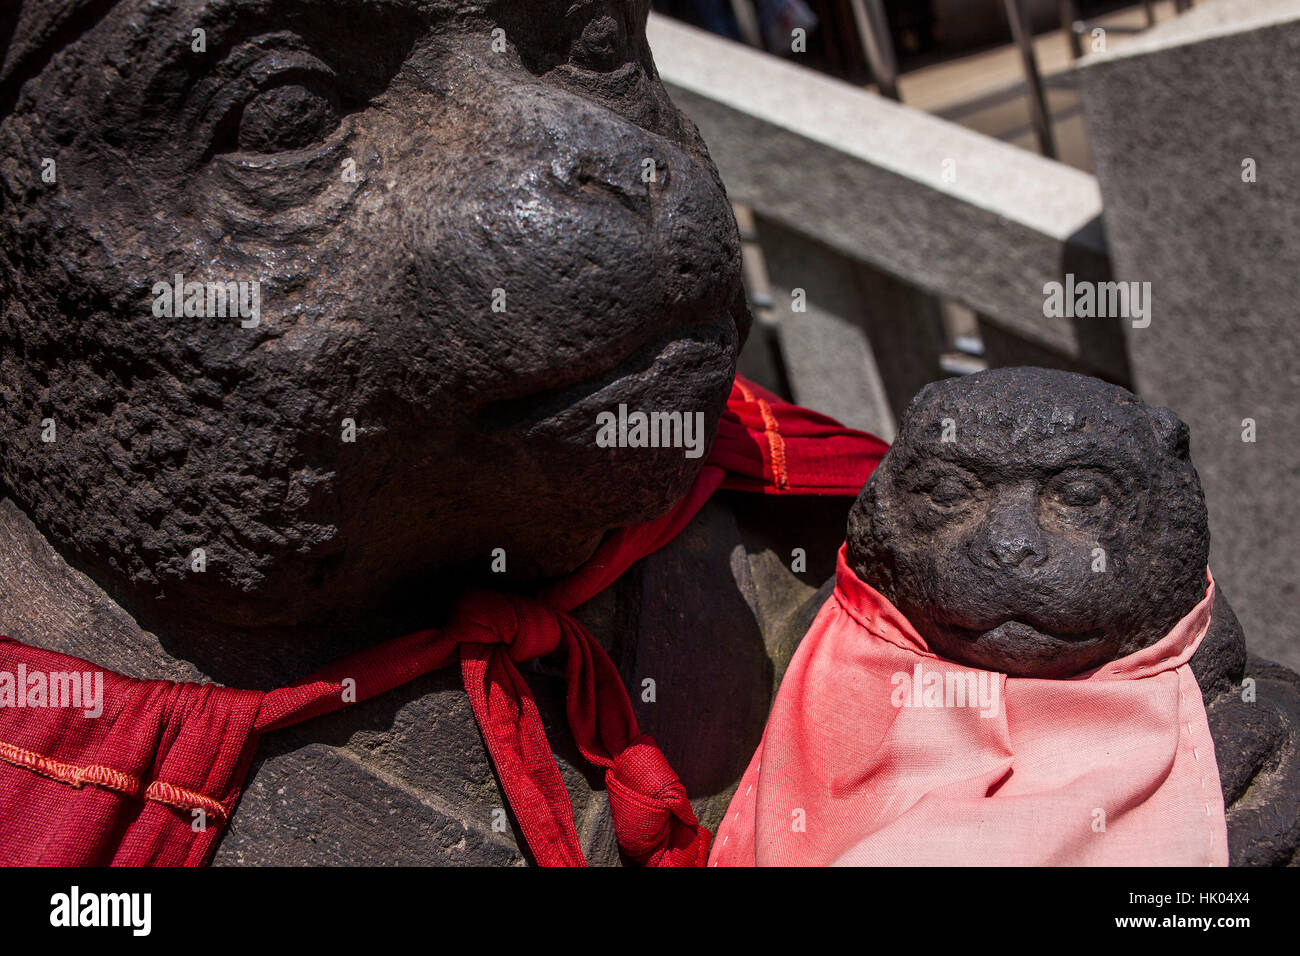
x=857 y=343
x=1194 y=132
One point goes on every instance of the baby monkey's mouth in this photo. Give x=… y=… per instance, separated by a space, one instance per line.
x=1013 y=630
x=1021 y=648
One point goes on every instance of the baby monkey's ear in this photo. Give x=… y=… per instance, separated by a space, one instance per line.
x=870 y=537
x=862 y=531
x=1173 y=434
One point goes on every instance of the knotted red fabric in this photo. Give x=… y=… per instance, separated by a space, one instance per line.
x=152 y=780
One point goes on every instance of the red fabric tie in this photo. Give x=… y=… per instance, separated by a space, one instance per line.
x=653 y=820
x=162 y=747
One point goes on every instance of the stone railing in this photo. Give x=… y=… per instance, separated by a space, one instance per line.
x=881 y=226
x=883 y=215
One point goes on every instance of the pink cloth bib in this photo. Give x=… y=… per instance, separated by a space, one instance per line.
x=879 y=753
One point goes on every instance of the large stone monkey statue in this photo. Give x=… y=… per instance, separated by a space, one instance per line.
x=460 y=257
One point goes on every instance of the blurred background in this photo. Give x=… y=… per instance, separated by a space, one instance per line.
x=909 y=175
x=963 y=60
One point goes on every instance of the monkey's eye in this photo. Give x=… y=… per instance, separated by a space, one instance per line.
x=292 y=116
x=1079 y=491
x=949 y=493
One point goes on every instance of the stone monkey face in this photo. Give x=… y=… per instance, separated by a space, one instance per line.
x=459 y=247
x=1034 y=522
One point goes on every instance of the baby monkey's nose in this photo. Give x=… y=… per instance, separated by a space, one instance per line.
x=1010 y=535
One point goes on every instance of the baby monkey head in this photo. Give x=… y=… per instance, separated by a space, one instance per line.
x=1034 y=522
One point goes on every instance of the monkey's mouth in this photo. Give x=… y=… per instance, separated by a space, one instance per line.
x=1014 y=631
x=709 y=349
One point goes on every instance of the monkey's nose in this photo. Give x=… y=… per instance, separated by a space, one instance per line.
x=1011 y=551
x=1010 y=535
x=631 y=177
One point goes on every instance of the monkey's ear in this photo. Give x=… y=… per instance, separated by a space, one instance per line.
x=1173 y=434
x=861 y=529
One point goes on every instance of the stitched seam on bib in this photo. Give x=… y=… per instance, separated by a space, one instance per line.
x=100 y=776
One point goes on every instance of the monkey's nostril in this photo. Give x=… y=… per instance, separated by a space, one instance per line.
x=633 y=180
x=1012 y=554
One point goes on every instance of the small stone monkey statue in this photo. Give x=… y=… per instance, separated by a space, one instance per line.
x=1048 y=530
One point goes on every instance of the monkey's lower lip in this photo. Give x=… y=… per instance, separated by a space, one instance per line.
x=1016 y=629
x=710 y=346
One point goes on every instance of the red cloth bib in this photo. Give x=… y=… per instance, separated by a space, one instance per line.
x=877 y=752
x=133 y=785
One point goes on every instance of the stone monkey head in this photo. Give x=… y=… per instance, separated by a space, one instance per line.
x=475 y=226
x=1034 y=522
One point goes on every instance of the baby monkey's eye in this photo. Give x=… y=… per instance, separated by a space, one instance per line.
x=291 y=116
x=949 y=492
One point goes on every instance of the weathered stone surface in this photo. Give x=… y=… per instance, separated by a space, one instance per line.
x=323 y=808
x=1256 y=745
x=45 y=602
x=513 y=179
x=984 y=525
x=1171 y=121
